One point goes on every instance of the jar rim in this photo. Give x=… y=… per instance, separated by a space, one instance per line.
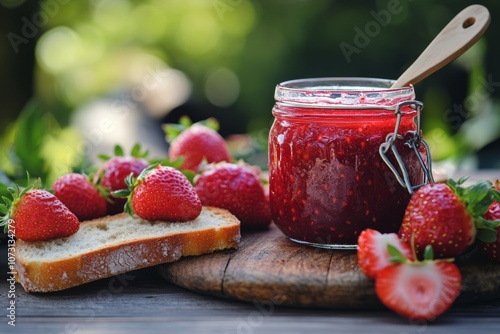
x=360 y=84
x=338 y=91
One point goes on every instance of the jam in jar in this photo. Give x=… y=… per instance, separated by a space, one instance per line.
x=327 y=179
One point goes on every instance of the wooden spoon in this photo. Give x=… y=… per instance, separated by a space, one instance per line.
x=463 y=31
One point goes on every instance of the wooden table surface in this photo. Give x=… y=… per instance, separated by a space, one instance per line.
x=143 y=302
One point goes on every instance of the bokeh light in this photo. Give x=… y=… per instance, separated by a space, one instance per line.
x=222 y=87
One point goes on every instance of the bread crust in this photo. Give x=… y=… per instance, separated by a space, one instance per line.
x=132 y=254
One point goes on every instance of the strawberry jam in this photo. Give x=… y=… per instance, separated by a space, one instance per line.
x=328 y=181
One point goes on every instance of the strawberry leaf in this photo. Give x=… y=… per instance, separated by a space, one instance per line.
x=395 y=255
x=211 y=123
x=455 y=186
x=428 y=253
x=190 y=175
x=118 y=151
x=104 y=157
x=131 y=183
x=482 y=223
x=177 y=163
x=123 y=193
x=478 y=198
x=486 y=235
x=137 y=153
x=496 y=195
x=7 y=201
x=145 y=172
x=172 y=131
x=185 y=121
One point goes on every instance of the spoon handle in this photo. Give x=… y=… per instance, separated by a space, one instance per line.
x=463 y=31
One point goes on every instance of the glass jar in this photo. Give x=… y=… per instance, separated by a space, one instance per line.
x=327 y=178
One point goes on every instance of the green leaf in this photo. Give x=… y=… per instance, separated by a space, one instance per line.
x=104 y=157
x=478 y=197
x=177 y=163
x=137 y=153
x=189 y=174
x=211 y=123
x=123 y=193
x=486 y=235
x=7 y=201
x=146 y=171
x=395 y=256
x=428 y=253
x=454 y=186
x=130 y=182
x=118 y=151
x=185 y=121
x=172 y=131
x=128 y=208
x=496 y=195
x=136 y=150
x=482 y=223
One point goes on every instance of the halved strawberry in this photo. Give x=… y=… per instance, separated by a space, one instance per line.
x=418 y=290
x=373 y=254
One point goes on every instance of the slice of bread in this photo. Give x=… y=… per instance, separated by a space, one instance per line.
x=117 y=244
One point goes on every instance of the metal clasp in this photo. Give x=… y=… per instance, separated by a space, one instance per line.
x=414 y=142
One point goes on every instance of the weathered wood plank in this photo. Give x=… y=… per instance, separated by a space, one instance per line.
x=268 y=267
x=255 y=323
x=149 y=304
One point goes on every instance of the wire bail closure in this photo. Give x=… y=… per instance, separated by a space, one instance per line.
x=414 y=143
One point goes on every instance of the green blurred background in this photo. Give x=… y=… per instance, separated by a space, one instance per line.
x=78 y=77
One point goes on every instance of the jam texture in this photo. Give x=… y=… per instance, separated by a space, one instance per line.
x=327 y=179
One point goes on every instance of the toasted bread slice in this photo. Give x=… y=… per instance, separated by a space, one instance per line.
x=117 y=244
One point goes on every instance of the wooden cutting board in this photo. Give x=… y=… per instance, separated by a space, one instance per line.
x=268 y=269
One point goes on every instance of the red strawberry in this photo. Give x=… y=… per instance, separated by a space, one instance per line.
x=237 y=188
x=492 y=249
x=196 y=144
x=112 y=176
x=373 y=255
x=81 y=196
x=36 y=215
x=448 y=217
x=162 y=193
x=419 y=290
